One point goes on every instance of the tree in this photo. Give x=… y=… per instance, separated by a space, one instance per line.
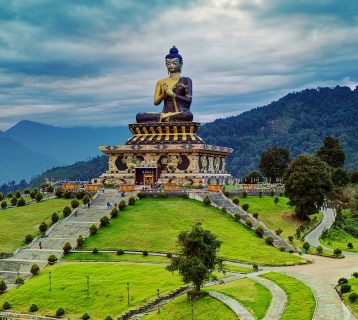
x=273 y=162
x=1 y=196
x=307 y=181
x=253 y=177
x=197 y=257
x=74 y=203
x=354 y=177
x=18 y=194
x=39 y=196
x=331 y=152
x=86 y=199
x=340 y=177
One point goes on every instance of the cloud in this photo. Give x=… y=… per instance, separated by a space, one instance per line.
x=97 y=62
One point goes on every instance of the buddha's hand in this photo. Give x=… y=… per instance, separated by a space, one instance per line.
x=168 y=91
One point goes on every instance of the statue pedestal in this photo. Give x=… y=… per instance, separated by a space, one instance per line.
x=166 y=153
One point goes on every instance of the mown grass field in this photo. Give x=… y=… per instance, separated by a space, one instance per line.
x=154 y=225
x=107 y=289
x=239 y=269
x=204 y=309
x=252 y=295
x=300 y=300
x=17 y=222
x=276 y=216
x=102 y=256
x=354 y=284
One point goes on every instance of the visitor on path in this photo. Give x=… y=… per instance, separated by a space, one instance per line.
x=88 y=205
x=108 y=205
x=40 y=245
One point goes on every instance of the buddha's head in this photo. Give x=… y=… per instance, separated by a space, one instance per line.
x=174 y=60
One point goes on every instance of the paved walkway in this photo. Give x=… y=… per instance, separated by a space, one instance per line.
x=234 y=305
x=329 y=215
x=279 y=298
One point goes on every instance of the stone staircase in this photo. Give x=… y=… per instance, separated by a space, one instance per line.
x=219 y=200
x=66 y=230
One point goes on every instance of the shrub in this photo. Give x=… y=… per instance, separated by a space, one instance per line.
x=74 y=203
x=120 y=252
x=80 y=241
x=337 y=252
x=269 y=240
x=3 y=286
x=55 y=217
x=255 y=267
x=290 y=239
x=353 y=297
x=259 y=231
x=319 y=249
x=255 y=215
x=29 y=238
x=355 y=274
x=3 y=204
x=207 y=200
x=108 y=318
x=282 y=248
x=121 y=205
x=58 y=193
x=66 y=211
x=21 y=202
x=33 y=193
x=49 y=189
x=19 y=281
x=10 y=195
x=224 y=209
x=6 y=305
x=291 y=250
x=140 y=194
x=114 y=213
x=104 y=221
x=236 y=200
x=86 y=199
x=43 y=227
x=13 y=201
x=35 y=269
x=18 y=194
x=85 y=316
x=278 y=231
x=248 y=222
x=345 y=288
x=350 y=245
x=95 y=251
x=131 y=201
x=1 y=196
x=93 y=229
x=306 y=246
x=60 y=312
x=226 y=193
x=272 y=193
x=67 y=248
x=39 y=196
x=245 y=206
x=51 y=259
x=169 y=255
x=244 y=194
x=145 y=253
x=237 y=216
x=342 y=281
x=67 y=194
x=27 y=191
x=80 y=194
x=34 y=308
x=276 y=200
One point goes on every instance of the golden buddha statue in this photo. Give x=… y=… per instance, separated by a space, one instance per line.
x=175 y=91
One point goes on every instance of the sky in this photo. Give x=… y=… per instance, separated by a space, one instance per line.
x=96 y=62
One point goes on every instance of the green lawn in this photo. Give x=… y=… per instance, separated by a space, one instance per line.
x=204 y=309
x=240 y=269
x=107 y=289
x=276 y=216
x=113 y=257
x=337 y=237
x=301 y=302
x=251 y=294
x=354 y=305
x=154 y=224
x=17 y=222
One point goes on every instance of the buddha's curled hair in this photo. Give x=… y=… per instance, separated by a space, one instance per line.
x=174 y=53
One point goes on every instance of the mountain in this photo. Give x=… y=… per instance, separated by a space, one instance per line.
x=19 y=162
x=299 y=121
x=66 y=145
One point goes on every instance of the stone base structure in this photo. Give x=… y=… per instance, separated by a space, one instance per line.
x=166 y=153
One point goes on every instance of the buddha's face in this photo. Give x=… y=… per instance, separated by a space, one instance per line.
x=173 y=65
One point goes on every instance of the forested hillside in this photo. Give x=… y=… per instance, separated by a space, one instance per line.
x=299 y=121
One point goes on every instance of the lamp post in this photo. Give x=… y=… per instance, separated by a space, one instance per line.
x=128 y=292
x=49 y=279
x=158 y=301
x=87 y=286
